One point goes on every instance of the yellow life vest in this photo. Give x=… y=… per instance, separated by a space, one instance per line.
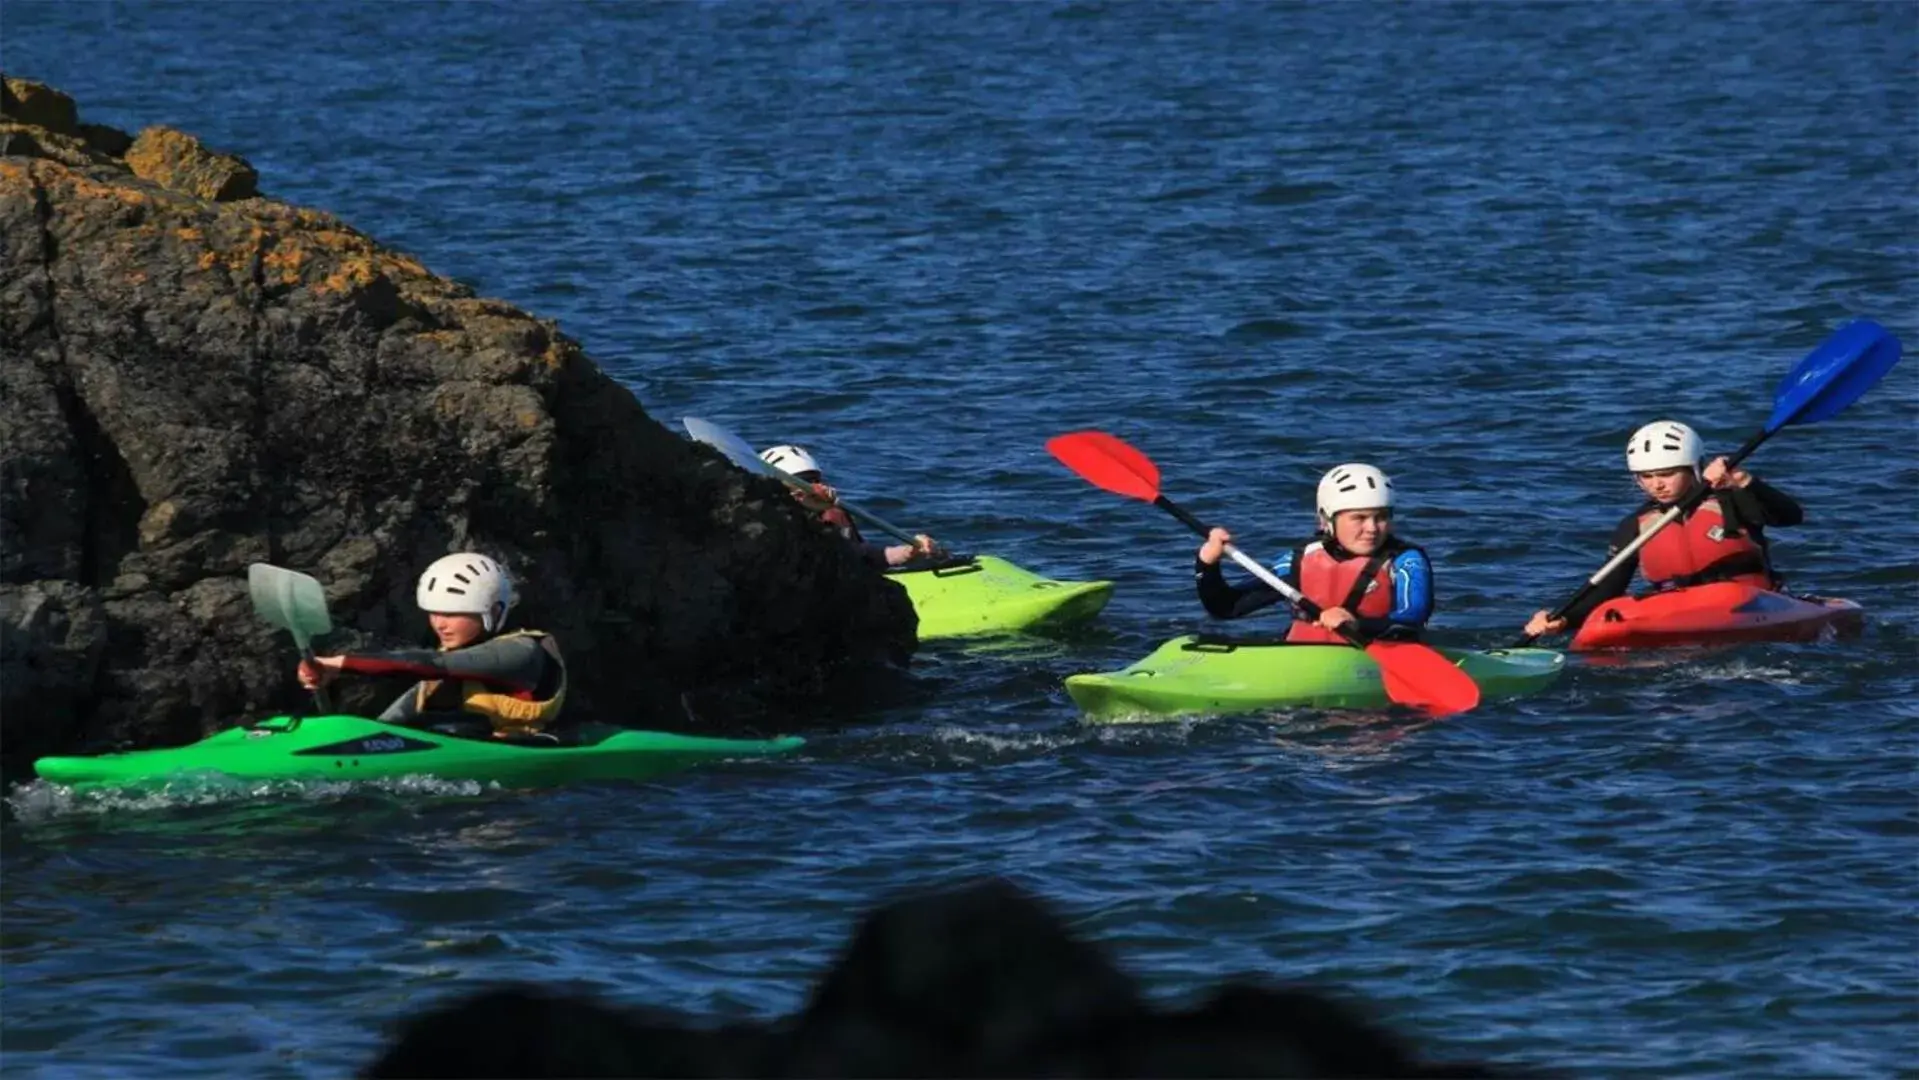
x=510 y=715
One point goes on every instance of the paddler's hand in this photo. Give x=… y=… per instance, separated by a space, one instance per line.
x=901 y=554
x=1214 y=549
x=321 y=671
x=817 y=497
x=1721 y=477
x=1541 y=624
x=1333 y=618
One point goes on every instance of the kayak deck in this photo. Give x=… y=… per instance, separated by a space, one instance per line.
x=1196 y=675
x=355 y=748
x=1718 y=613
x=988 y=595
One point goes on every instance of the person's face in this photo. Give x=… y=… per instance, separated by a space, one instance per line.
x=1665 y=486
x=456 y=631
x=1362 y=531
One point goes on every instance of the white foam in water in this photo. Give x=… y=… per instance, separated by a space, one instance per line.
x=42 y=800
x=1735 y=670
x=1005 y=743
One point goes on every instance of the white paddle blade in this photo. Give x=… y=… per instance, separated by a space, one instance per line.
x=289 y=600
x=737 y=450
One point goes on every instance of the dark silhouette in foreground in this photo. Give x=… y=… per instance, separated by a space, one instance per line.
x=981 y=981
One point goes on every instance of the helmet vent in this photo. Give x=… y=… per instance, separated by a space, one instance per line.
x=456 y=591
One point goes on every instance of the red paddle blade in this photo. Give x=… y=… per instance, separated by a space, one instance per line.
x=1422 y=677
x=1107 y=461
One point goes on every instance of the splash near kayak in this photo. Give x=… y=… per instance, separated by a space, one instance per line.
x=1207 y=675
x=988 y=595
x=355 y=748
x=1722 y=612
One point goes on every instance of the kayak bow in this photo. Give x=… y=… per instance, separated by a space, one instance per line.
x=988 y=595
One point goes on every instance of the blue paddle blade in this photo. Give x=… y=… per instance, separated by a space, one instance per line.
x=1834 y=375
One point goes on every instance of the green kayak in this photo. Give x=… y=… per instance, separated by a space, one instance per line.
x=1191 y=675
x=353 y=748
x=987 y=595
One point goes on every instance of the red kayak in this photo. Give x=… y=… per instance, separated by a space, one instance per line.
x=1709 y=614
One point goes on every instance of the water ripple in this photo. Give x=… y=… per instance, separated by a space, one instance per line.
x=1477 y=245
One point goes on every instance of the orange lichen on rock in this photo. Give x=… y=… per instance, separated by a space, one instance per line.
x=179 y=162
x=286 y=260
x=355 y=272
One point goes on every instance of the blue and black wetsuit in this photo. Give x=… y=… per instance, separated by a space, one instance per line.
x=1406 y=567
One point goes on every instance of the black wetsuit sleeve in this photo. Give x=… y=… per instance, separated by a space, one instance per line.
x=1225 y=600
x=1759 y=503
x=1613 y=585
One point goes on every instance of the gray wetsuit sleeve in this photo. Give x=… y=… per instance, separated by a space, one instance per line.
x=404 y=709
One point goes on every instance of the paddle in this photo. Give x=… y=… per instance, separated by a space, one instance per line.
x=1831 y=377
x=741 y=453
x=1413 y=674
x=295 y=603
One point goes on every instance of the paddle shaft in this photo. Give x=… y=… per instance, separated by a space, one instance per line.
x=870 y=518
x=1252 y=566
x=320 y=696
x=740 y=453
x=1679 y=509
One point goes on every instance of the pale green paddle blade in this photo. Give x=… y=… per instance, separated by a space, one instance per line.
x=289 y=600
x=737 y=450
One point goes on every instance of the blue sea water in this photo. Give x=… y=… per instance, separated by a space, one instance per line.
x=1474 y=244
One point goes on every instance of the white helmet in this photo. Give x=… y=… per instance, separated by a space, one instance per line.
x=791 y=460
x=467 y=584
x=1353 y=487
x=1664 y=444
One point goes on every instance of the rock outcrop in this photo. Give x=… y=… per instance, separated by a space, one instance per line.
x=195 y=378
x=980 y=981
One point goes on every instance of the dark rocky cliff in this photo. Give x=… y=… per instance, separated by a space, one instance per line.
x=983 y=980
x=196 y=377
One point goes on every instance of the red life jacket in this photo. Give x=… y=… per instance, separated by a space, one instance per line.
x=1699 y=548
x=1363 y=586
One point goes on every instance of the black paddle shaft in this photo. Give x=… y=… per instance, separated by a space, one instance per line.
x=1698 y=495
x=320 y=695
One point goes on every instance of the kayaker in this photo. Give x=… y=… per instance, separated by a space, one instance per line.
x=1354 y=568
x=1722 y=539
x=796 y=462
x=515 y=680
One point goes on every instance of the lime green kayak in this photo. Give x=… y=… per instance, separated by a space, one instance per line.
x=987 y=595
x=1191 y=675
x=353 y=748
